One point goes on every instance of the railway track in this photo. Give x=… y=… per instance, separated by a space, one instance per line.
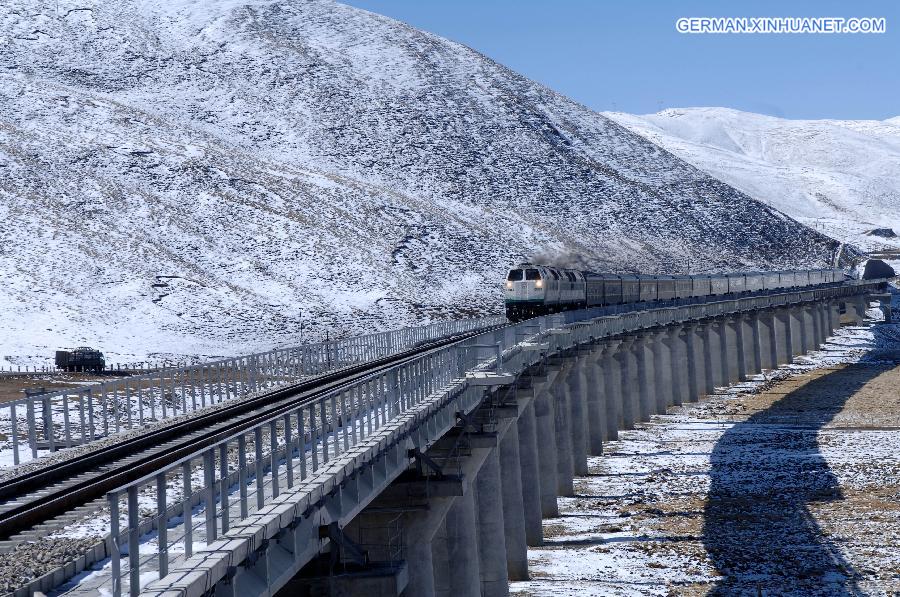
x=44 y=494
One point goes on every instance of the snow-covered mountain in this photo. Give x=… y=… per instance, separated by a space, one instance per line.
x=839 y=176
x=200 y=176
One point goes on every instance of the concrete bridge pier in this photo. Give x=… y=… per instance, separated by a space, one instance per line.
x=491 y=530
x=514 y=524
x=825 y=308
x=643 y=355
x=752 y=344
x=712 y=356
x=705 y=380
x=576 y=395
x=814 y=326
x=530 y=471
x=819 y=323
x=463 y=572
x=440 y=567
x=809 y=338
x=595 y=401
x=612 y=387
x=661 y=390
x=834 y=315
x=565 y=469
x=824 y=323
x=795 y=321
x=724 y=348
x=741 y=360
x=784 y=342
x=731 y=348
x=807 y=341
x=546 y=432
x=675 y=343
x=629 y=381
x=768 y=340
x=694 y=345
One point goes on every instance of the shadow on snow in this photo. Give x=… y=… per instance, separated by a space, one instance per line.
x=765 y=472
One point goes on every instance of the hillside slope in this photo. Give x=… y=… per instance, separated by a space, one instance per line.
x=196 y=177
x=839 y=176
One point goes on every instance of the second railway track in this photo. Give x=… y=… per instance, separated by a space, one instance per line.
x=43 y=494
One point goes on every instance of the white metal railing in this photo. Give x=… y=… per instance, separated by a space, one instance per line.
x=40 y=424
x=164 y=515
x=207 y=491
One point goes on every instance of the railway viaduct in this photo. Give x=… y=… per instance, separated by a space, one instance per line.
x=446 y=497
x=430 y=475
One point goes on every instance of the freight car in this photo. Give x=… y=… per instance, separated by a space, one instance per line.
x=532 y=290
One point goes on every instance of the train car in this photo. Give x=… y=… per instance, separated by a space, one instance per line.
x=702 y=286
x=665 y=288
x=631 y=289
x=718 y=285
x=612 y=290
x=683 y=287
x=594 y=289
x=572 y=288
x=648 y=289
x=785 y=279
x=603 y=289
x=550 y=279
x=771 y=280
x=737 y=284
x=754 y=282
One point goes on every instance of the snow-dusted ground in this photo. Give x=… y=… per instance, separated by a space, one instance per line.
x=195 y=177
x=776 y=487
x=840 y=176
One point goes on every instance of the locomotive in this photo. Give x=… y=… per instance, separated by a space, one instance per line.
x=531 y=290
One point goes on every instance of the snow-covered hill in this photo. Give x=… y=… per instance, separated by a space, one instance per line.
x=197 y=176
x=839 y=176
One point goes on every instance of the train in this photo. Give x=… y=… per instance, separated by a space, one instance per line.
x=531 y=290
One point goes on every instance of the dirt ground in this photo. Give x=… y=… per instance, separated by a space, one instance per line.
x=792 y=488
x=13 y=387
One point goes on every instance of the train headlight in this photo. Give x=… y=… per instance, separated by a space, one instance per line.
x=509 y=285
x=539 y=284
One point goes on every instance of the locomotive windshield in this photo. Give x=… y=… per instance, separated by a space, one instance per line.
x=514 y=275
x=532 y=274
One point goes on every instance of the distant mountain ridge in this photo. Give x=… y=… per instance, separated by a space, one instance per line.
x=198 y=177
x=840 y=176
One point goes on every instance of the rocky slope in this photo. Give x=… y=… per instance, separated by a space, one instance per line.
x=840 y=176
x=197 y=177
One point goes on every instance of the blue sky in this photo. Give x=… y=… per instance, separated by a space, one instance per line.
x=626 y=55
